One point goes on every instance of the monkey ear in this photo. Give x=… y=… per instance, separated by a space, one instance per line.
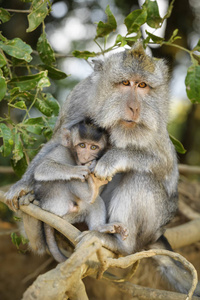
x=65 y=137
x=98 y=64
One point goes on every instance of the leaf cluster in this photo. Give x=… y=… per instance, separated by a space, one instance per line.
x=26 y=92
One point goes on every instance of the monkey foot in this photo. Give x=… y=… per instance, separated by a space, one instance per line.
x=27 y=199
x=114 y=228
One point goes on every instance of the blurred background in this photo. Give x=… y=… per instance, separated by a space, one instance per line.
x=71 y=26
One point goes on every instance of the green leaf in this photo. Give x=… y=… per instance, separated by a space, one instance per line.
x=20 y=166
x=17 y=48
x=83 y=54
x=37 y=16
x=2 y=61
x=135 y=19
x=53 y=72
x=44 y=49
x=50 y=124
x=53 y=103
x=8 y=142
x=104 y=29
x=125 y=40
x=34 y=125
x=19 y=104
x=192 y=82
x=18 y=148
x=48 y=105
x=174 y=36
x=197 y=47
x=169 y=11
x=177 y=144
x=3 y=87
x=122 y=40
x=16 y=240
x=43 y=107
x=4 y=15
x=154 y=38
x=30 y=82
x=153 y=17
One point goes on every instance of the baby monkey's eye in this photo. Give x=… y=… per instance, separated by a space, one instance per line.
x=82 y=145
x=94 y=147
x=126 y=82
x=142 y=85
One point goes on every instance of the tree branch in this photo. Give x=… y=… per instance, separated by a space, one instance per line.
x=6 y=170
x=91 y=259
x=188 y=169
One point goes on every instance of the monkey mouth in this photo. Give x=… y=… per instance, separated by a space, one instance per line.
x=128 y=123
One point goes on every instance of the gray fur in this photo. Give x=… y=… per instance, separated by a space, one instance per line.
x=142 y=160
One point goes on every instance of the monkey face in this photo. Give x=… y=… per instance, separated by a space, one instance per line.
x=87 y=151
x=131 y=92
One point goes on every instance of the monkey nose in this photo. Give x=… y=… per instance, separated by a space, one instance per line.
x=135 y=112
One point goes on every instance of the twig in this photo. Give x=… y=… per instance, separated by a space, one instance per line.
x=125 y=262
x=144 y=293
x=6 y=170
x=18 y=10
x=188 y=169
x=187 y=211
x=8 y=232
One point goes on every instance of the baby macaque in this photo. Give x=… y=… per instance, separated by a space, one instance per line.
x=65 y=186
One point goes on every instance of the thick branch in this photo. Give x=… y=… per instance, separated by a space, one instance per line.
x=144 y=293
x=66 y=278
x=184 y=235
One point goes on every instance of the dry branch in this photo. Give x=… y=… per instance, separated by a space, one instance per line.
x=187 y=211
x=188 y=169
x=91 y=259
x=184 y=235
x=6 y=170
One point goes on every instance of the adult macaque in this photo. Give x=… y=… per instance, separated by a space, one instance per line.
x=59 y=189
x=128 y=95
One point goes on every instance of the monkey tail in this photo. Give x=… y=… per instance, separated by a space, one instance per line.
x=173 y=270
x=52 y=244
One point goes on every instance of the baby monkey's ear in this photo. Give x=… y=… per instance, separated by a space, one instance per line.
x=65 y=137
x=98 y=64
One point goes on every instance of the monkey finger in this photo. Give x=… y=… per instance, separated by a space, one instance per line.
x=12 y=204
x=109 y=178
x=26 y=199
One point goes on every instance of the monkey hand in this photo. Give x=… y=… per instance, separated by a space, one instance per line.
x=82 y=173
x=15 y=193
x=104 y=170
x=27 y=199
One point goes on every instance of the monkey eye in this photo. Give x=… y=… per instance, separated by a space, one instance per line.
x=142 y=85
x=126 y=82
x=94 y=147
x=82 y=145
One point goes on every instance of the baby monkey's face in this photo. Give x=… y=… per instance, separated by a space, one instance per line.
x=88 y=151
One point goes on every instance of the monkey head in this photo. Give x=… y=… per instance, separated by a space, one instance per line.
x=87 y=141
x=130 y=93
